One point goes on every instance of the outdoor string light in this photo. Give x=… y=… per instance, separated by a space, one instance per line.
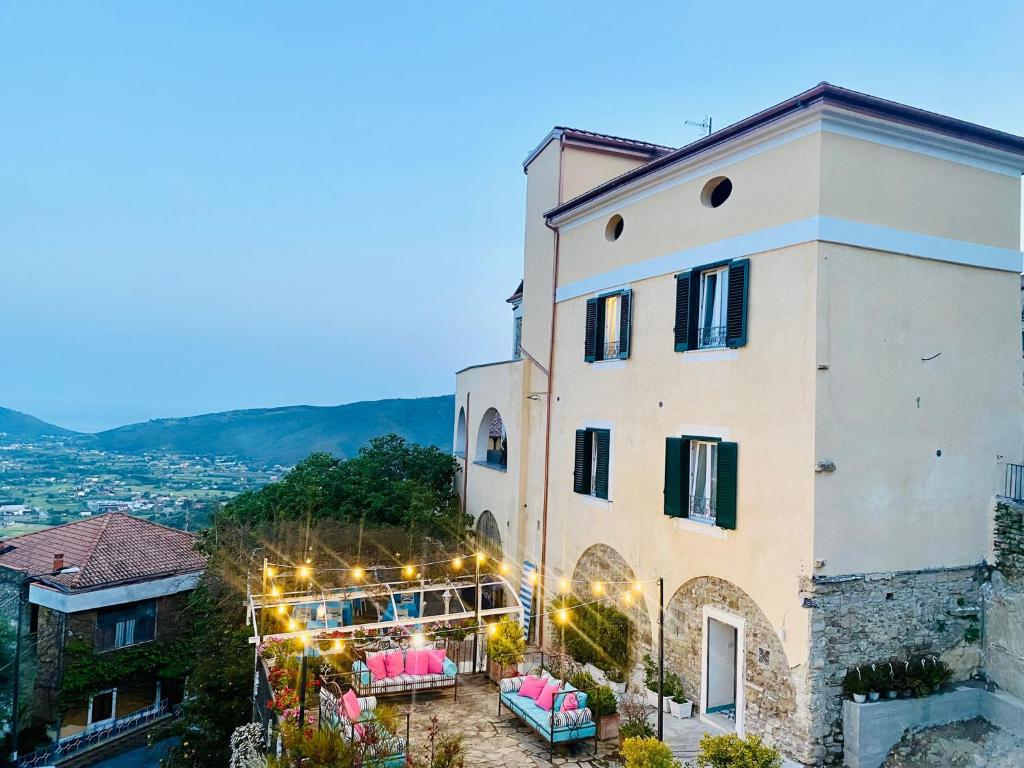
x=357 y=573
x=457 y=563
x=304 y=572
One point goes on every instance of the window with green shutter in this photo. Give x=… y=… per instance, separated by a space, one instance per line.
x=700 y=480
x=608 y=325
x=711 y=306
x=592 y=462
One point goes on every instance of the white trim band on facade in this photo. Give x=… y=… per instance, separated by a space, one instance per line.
x=823 y=228
x=64 y=602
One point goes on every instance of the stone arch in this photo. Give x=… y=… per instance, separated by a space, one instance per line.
x=770 y=704
x=600 y=562
x=492 y=440
x=460 y=433
x=488 y=534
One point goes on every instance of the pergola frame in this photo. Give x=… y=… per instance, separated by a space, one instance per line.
x=258 y=601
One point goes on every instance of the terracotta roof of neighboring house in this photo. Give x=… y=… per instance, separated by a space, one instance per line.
x=517 y=295
x=822 y=93
x=108 y=549
x=599 y=141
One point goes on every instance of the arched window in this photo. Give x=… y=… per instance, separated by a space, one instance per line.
x=460 y=434
x=492 y=441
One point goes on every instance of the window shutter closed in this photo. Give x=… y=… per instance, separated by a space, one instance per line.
x=725 y=501
x=602 y=439
x=682 y=327
x=625 y=324
x=590 y=342
x=736 y=312
x=581 y=469
x=676 y=476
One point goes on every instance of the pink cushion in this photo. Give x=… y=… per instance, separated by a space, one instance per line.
x=395 y=663
x=360 y=732
x=378 y=669
x=351 y=703
x=547 y=697
x=418 y=663
x=435 y=660
x=570 y=703
x=532 y=687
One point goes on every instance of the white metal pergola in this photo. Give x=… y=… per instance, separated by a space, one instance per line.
x=322 y=605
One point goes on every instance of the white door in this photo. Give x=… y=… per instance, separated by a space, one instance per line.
x=721 y=684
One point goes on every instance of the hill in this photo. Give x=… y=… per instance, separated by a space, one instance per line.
x=20 y=426
x=286 y=435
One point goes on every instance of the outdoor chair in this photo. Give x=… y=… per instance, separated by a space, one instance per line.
x=554 y=725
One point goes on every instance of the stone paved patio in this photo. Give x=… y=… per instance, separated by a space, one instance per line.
x=505 y=742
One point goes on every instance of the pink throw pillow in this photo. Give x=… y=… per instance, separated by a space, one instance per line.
x=547 y=697
x=418 y=663
x=395 y=663
x=378 y=669
x=532 y=687
x=351 y=703
x=360 y=732
x=435 y=660
x=569 y=703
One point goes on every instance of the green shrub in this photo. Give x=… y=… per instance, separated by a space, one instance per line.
x=506 y=646
x=603 y=702
x=855 y=682
x=731 y=751
x=650 y=673
x=636 y=730
x=597 y=634
x=647 y=753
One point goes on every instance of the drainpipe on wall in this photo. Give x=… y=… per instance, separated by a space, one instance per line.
x=465 y=463
x=542 y=578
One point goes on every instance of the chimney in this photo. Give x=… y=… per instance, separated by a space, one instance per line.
x=58 y=562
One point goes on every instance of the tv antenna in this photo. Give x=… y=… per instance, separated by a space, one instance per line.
x=704 y=125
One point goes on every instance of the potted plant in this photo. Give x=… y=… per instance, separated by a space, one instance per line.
x=616 y=679
x=506 y=648
x=855 y=685
x=651 y=683
x=874 y=687
x=887 y=677
x=678 y=705
x=605 y=707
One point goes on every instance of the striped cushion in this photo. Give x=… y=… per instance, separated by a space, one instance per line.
x=573 y=717
x=511 y=684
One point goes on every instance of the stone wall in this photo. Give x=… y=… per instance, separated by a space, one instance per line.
x=771 y=709
x=864 y=618
x=1004 y=601
x=605 y=564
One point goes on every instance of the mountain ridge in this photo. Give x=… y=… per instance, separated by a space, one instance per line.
x=279 y=435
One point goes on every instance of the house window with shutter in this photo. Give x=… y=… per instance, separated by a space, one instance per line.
x=590 y=470
x=608 y=326
x=711 y=306
x=700 y=480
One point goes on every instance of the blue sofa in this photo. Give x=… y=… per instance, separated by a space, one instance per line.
x=555 y=727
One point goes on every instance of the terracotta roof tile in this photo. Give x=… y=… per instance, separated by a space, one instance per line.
x=108 y=549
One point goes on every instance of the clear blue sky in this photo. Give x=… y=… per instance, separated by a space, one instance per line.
x=214 y=205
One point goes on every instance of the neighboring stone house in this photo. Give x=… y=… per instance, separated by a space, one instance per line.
x=100 y=589
x=780 y=368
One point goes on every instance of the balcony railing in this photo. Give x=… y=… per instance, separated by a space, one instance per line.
x=702 y=510
x=711 y=337
x=1013 y=484
x=90 y=737
x=610 y=350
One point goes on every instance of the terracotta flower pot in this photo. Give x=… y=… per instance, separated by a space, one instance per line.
x=608 y=727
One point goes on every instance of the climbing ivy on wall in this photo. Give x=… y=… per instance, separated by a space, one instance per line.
x=86 y=672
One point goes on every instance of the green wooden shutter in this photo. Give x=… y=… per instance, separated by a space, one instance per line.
x=725 y=501
x=602 y=440
x=625 y=321
x=590 y=341
x=676 y=471
x=736 y=311
x=581 y=468
x=682 y=326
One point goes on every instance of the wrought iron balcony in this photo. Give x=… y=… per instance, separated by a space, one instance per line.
x=610 y=350
x=702 y=510
x=711 y=337
x=1013 y=484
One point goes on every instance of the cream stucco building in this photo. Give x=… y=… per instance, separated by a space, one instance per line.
x=780 y=368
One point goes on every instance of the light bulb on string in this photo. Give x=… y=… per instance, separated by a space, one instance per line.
x=492 y=629
x=357 y=573
x=280 y=608
x=563 y=615
x=304 y=572
x=409 y=571
x=504 y=568
x=533 y=577
x=563 y=585
x=597 y=587
x=337 y=644
x=481 y=558
x=457 y=563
